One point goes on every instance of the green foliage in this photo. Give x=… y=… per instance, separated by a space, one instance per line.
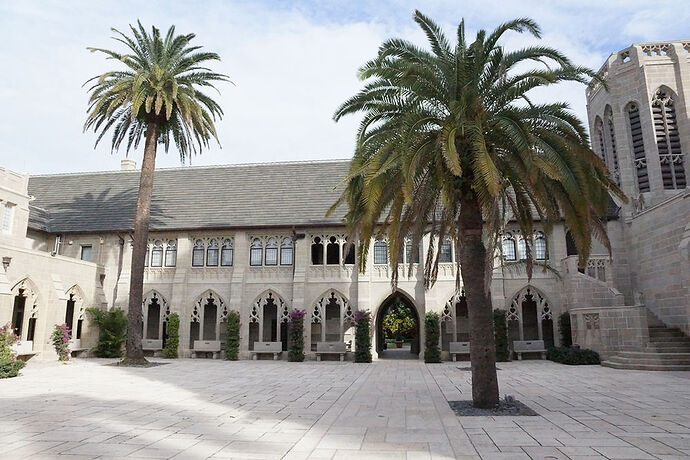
x=60 y=340
x=232 y=338
x=172 y=341
x=10 y=368
x=432 y=335
x=160 y=84
x=564 y=329
x=363 y=336
x=501 y=335
x=399 y=322
x=7 y=339
x=112 y=331
x=573 y=356
x=296 y=335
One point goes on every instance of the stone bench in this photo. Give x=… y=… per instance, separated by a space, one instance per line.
x=529 y=346
x=206 y=346
x=331 y=348
x=24 y=350
x=274 y=348
x=154 y=345
x=459 y=348
x=76 y=349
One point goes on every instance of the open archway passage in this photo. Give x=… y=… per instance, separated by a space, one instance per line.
x=397 y=329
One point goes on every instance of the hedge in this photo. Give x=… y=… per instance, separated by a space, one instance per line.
x=573 y=356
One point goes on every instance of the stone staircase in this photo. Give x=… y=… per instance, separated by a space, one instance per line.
x=668 y=350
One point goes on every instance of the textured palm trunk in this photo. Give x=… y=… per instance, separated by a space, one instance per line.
x=135 y=324
x=472 y=268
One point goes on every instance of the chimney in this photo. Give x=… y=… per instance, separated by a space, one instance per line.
x=127 y=164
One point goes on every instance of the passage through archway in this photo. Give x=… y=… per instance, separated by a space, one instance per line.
x=397 y=324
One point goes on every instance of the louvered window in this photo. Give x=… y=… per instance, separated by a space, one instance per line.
x=668 y=141
x=637 y=141
x=612 y=160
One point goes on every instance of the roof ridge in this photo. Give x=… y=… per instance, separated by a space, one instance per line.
x=180 y=168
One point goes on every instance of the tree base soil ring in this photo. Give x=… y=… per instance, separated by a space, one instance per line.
x=508 y=406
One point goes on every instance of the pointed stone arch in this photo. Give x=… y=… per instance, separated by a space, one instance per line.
x=25 y=311
x=530 y=316
x=399 y=295
x=208 y=312
x=156 y=311
x=455 y=324
x=325 y=326
x=74 y=313
x=268 y=318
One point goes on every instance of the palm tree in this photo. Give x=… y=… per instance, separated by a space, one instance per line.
x=451 y=145
x=157 y=95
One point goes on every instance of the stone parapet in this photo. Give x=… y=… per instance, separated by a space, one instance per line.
x=609 y=330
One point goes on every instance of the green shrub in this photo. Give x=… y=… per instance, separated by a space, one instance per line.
x=564 y=330
x=172 y=339
x=232 y=338
x=112 y=331
x=432 y=334
x=10 y=368
x=501 y=335
x=362 y=336
x=573 y=356
x=296 y=336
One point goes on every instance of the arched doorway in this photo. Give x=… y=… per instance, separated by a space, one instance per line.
x=530 y=317
x=24 y=314
x=397 y=302
x=268 y=320
x=332 y=320
x=207 y=318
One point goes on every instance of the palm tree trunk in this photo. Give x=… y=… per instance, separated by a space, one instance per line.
x=472 y=268
x=135 y=353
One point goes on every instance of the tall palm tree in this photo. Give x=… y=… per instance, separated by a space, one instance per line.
x=156 y=96
x=451 y=145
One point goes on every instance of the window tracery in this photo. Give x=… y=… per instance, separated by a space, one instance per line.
x=668 y=140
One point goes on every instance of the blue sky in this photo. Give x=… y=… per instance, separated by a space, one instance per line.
x=292 y=64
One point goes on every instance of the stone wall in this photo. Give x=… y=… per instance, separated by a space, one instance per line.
x=611 y=329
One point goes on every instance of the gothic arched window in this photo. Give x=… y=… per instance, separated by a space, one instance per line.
x=637 y=142
x=157 y=254
x=256 y=252
x=349 y=250
x=668 y=140
x=446 y=251
x=271 y=253
x=380 y=253
x=171 y=253
x=509 y=247
x=522 y=249
x=411 y=255
x=540 y=246
x=317 y=251
x=226 y=254
x=333 y=251
x=286 y=252
x=212 y=254
x=146 y=257
x=612 y=158
x=198 y=254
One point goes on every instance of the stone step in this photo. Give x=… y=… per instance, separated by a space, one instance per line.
x=653 y=358
x=670 y=339
x=647 y=367
x=665 y=332
x=668 y=347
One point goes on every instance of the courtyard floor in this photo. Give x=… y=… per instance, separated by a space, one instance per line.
x=391 y=409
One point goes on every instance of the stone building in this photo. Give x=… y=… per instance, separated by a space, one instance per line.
x=255 y=239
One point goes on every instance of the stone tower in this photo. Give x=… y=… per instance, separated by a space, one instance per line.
x=640 y=124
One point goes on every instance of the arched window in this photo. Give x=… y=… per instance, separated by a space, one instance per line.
x=599 y=133
x=256 y=252
x=317 y=251
x=333 y=251
x=540 y=246
x=286 y=252
x=212 y=254
x=637 y=142
x=411 y=255
x=226 y=254
x=271 y=252
x=509 y=247
x=612 y=159
x=157 y=254
x=522 y=249
x=446 y=251
x=570 y=246
x=171 y=253
x=380 y=253
x=146 y=257
x=198 y=254
x=668 y=140
x=349 y=250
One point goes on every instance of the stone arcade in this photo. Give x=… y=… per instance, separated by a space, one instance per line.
x=253 y=238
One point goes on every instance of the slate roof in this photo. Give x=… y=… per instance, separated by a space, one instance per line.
x=235 y=196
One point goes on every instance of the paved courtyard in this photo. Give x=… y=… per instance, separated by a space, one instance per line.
x=393 y=409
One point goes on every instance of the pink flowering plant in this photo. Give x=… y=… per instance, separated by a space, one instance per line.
x=7 y=339
x=60 y=338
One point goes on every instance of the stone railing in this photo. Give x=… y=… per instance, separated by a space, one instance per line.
x=330 y=272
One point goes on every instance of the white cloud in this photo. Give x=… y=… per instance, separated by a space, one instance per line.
x=292 y=66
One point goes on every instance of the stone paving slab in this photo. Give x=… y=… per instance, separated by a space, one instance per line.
x=390 y=409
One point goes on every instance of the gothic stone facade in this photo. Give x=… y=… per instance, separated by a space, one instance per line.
x=253 y=238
